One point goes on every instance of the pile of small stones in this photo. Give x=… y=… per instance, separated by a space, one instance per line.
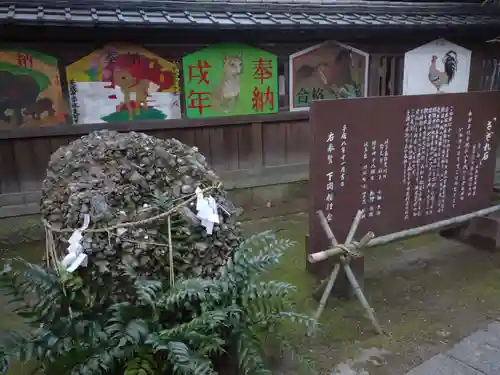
x=125 y=177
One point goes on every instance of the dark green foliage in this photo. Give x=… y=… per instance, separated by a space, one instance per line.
x=180 y=330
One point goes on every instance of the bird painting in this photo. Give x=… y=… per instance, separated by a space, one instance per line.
x=440 y=78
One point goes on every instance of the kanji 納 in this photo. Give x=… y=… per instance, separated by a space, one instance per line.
x=261 y=98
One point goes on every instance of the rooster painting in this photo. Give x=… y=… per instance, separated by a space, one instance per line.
x=440 y=78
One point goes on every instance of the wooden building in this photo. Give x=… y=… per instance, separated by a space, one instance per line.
x=53 y=77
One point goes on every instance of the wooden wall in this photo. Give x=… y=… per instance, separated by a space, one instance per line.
x=231 y=146
x=235 y=147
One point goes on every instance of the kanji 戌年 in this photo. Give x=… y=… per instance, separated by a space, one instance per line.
x=199 y=100
x=199 y=71
x=262 y=69
x=261 y=98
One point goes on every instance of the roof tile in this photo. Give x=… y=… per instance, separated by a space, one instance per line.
x=266 y=15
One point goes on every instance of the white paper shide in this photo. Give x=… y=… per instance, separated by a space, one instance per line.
x=76 y=257
x=207 y=211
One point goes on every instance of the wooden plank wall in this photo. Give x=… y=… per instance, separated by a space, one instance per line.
x=232 y=147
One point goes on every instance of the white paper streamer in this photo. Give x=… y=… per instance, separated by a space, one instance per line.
x=207 y=211
x=76 y=257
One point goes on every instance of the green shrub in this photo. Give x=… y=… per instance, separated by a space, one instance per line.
x=185 y=329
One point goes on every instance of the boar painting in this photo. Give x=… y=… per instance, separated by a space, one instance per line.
x=123 y=83
x=329 y=70
x=436 y=67
x=30 y=89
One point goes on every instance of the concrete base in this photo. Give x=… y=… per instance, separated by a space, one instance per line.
x=484 y=229
x=271 y=200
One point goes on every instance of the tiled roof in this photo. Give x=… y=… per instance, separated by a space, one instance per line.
x=247 y=13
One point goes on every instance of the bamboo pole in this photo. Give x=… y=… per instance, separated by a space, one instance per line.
x=329 y=286
x=354 y=227
x=338 y=250
x=365 y=240
x=323 y=255
x=382 y=240
x=326 y=228
x=361 y=297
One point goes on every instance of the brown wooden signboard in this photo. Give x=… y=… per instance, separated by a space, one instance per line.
x=406 y=160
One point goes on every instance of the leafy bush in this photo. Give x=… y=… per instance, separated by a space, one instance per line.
x=180 y=330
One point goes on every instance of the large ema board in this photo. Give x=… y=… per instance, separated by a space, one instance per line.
x=407 y=161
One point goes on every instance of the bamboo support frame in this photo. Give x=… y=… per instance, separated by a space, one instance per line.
x=345 y=258
x=323 y=255
x=382 y=240
x=331 y=236
x=345 y=251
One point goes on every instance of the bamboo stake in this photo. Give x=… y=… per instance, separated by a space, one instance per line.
x=354 y=227
x=361 y=297
x=323 y=255
x=382 y=240
x=365 y=240
x=329 y=286
x=326 y=227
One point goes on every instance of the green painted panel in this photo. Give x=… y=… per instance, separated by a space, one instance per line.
x=230 y=79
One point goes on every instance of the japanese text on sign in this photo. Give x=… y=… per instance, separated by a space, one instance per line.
x=199 y=100
x=262 y=94
x=330 y=184
x=427 y=159
x=373 y=170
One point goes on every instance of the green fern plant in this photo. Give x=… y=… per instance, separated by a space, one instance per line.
x=264 y=304
x=181 y=330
